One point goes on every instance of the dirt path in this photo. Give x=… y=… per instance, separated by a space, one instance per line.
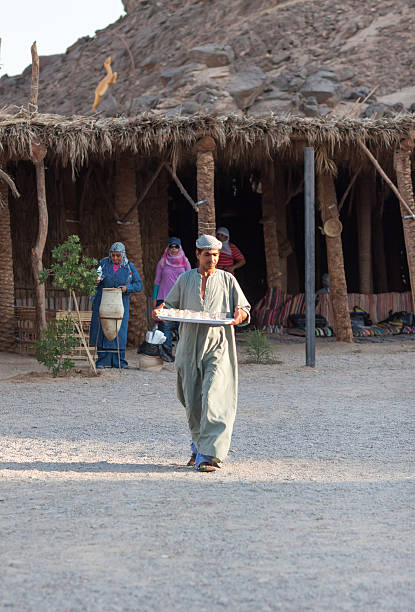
x=313 y=510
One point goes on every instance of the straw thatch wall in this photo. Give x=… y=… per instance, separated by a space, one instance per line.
x=154 y=223
x=6 y=278
x=84 y=208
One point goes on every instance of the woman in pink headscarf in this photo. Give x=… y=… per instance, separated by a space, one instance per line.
x=173 y=263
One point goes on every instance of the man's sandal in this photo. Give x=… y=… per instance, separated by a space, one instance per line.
x=207 y=467
x=191 y=461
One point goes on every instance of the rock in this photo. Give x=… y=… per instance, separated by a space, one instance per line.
x=247 y=85
x=326 y=74
x=345 y=74
x=152 y=61
x=375 y=110
x=205 y=95
x=131 y=5
x=143 y=104
x=171 y=74
x=212 y=55
x=412 y=108
x=324 y=110
x=190 y=108
x=359 y=92
x=280 y=57
x=262 y=108
x=276 y=94
x=296 y=83
x=309 y=107
x=282 y=81
x=324 y=86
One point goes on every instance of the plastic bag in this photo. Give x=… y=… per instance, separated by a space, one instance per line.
x=155 y=336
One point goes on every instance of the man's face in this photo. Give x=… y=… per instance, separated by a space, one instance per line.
x=208 y=259
x=116 y=258
x=221 y=237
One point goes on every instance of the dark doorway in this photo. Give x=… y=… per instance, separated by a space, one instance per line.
x=238 y=207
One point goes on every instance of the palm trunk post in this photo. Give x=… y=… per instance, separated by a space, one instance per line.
x=206 y=185
x=338 y=288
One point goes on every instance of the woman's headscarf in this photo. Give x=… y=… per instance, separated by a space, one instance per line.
x=118 y=247
x=175 y=261
x=225 y=245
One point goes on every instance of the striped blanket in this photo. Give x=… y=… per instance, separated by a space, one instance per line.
x=272 y=311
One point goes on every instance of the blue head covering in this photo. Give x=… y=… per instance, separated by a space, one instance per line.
x=174 y=240
x=118 y=247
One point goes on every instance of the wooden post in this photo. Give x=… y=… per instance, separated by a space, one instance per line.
x=269 y=221
x=403 y=174
x=206 y=185
x=7 y=278
x=365 y=191
x=310 y=255
x=38 y=154
x=129 y=233
x=338 y=289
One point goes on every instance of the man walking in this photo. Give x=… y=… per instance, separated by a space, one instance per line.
x=206 y=361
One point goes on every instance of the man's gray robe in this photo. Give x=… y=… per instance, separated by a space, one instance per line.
x=206 y=362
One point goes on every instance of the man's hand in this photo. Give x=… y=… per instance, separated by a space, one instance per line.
x=239 y=315
x=123 y=288
x=156 y=312
x=230 y=269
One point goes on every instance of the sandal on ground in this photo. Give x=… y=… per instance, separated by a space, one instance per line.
x=207 y=467
x=191 y=461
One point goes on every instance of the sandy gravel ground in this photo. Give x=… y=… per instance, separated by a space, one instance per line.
x=313 y=510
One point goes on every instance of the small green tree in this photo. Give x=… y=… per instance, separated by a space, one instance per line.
x=56 y=341
x=75 y=273
x=71 y=270
x=258 y=347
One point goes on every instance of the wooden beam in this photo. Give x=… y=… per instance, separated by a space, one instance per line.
x=6 y=178
x=181 y=187
x=349 y=186
x=386 y=178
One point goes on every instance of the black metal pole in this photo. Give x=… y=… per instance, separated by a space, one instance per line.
x=309 y=231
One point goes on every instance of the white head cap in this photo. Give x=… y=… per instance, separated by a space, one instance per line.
x=205 y=241
x=224 y=231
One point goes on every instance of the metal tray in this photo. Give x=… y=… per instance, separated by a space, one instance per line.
x=202 y=321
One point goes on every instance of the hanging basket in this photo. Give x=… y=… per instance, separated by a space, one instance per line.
x=332 y=228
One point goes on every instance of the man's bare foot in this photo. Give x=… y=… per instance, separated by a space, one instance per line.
x=191 y=461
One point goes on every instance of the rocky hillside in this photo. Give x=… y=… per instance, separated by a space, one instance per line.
x=307 y=57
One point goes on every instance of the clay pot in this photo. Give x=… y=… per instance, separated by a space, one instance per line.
x=150 y=363
x=111 y=312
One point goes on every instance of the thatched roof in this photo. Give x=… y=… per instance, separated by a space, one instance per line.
x=73 y=140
